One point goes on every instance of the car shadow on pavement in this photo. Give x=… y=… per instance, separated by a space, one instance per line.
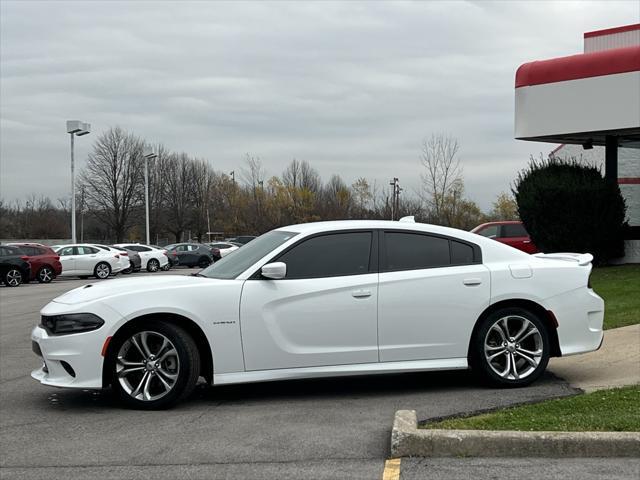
x=384 y=386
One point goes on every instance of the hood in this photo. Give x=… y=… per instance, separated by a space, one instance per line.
x=117 y=287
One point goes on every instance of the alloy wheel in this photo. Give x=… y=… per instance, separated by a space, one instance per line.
x=45 y=275
x=513 y=347
x=13 y=278
x=153 y=265
x=102 y=270
x=147 y=366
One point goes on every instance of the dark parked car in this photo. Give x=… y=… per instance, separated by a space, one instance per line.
x=14 y=266
x=243 y=239
x=45 y=263
x=135 y=262
x=511 y=233
x=189 y=254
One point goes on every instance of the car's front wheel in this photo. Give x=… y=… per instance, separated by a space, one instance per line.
x=155 y=366
x=510 y=348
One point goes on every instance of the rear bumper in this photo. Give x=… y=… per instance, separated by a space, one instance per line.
x=580 y=315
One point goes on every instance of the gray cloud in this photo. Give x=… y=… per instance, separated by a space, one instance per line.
x=352 y=87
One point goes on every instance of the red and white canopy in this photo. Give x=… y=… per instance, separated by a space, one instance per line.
x=582 y=98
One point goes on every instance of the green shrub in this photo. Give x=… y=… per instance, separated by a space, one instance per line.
x=569 y=207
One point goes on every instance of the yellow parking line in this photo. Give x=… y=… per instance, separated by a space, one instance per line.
x=391 y=469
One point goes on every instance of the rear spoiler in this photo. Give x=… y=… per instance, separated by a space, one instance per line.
x=581 y=258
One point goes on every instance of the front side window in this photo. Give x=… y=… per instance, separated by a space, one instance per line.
x=491 y=231
x=331 y=255
x=66 y=251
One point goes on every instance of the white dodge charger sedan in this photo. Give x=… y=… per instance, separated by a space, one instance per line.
x=325 y=299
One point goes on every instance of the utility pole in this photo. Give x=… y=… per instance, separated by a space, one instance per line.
x=395 y=197
x=82 y=215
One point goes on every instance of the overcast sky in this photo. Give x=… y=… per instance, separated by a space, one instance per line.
x=352 y=87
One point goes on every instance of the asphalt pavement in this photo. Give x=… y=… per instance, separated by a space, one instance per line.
x=312 y=429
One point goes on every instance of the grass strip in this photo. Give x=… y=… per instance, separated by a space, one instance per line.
x=613 y=410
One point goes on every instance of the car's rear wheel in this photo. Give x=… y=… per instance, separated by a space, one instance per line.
x=45 y=274
x=153 y=265
x=12 y=277
x=102 y=270
x=129 y=270
x=510 y=348
x=156 y=365
x=204 y=262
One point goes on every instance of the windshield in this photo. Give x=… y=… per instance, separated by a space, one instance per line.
x=233 y=265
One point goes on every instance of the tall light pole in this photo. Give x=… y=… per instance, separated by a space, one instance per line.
x=149 y=154
x=75 y=127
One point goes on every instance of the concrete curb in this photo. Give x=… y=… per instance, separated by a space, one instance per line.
x=407 y=440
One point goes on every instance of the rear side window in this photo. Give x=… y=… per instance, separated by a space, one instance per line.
x=461 y=253
x=409 y=251
x=514 y=230
x=331 y=255
x=416 y=251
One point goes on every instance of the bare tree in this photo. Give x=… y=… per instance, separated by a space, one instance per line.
x=178 y=193
x=442 y=174
x=113 y=179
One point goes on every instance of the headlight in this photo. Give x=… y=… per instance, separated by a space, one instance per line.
x=70 y=323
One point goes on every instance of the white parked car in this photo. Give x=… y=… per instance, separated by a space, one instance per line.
x=223 y=248
x=325 y=299
x=152 y=259
x=123 y=257
x=84 y=260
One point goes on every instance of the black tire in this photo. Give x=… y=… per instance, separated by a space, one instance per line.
x=512 y=359
x=45 y=274
x=129 y=270
x=153 y=265
x=13 y=277
x=188 y=366
x=102 y=270
x=204 y=262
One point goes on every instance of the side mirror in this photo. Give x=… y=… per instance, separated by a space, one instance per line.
x=274 y=271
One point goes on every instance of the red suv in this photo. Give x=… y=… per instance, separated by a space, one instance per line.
x=512 y=233
x=45 y=263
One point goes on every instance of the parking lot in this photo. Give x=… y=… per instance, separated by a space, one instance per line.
x=329 y=428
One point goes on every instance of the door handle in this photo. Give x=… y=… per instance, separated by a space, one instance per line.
x=361 y=293
x=471 y=282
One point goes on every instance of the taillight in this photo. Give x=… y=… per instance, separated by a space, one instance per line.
x=56 y=258
x=124 y=254
x=25 y=258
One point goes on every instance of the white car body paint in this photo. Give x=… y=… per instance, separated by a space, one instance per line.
x=146 y=255
x=260 y=329
x=81 y=265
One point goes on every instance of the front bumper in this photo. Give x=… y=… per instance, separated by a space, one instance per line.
x=81 y=352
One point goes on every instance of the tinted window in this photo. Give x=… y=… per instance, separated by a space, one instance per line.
x=140 y=248
x=87 y=250
x=490 y=232
x=410 y=251
x=329 y=256
x=461 y=253
x=514 y=230
x=101 y=247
